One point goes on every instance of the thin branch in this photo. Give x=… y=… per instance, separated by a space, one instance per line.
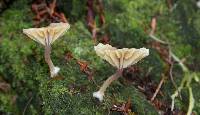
x=186 y=81
x=185 y=69
x=156 y=39
x=172 y=79
x=170 y=57
x=158 y=88
x=171 y=53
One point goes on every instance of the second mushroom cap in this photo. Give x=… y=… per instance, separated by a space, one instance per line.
x=120 y=58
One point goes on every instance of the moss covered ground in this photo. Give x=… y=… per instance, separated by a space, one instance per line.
x=32 y=91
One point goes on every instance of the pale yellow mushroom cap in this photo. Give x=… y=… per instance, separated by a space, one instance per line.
x=120 y=58
x=53 y=32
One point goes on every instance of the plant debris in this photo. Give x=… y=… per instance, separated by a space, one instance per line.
x=94 y=9
x=123 y=108
x=46 y=12
x=85 y=69
x=82 y=64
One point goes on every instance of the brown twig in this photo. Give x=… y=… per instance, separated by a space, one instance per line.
x=167 y=56
x=164 y=51
x=158 y=88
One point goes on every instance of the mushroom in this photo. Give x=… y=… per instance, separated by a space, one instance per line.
x=46 y=36
x=120 y=59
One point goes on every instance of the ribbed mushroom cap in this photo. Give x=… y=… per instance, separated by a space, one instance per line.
x=47 y=34
x=120 y=58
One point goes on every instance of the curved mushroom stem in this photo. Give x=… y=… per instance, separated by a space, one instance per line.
x=110 y=80
x=53 y=70
x=99 y=94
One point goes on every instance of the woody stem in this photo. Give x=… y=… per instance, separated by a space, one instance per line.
x=110 y=80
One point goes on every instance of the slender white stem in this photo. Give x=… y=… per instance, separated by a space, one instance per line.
x=99 y=94
x=110 y=80
x=48 y=58
x=53 y=70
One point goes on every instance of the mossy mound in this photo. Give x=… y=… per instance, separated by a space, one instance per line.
x=22 y=62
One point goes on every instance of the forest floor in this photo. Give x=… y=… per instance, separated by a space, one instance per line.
x=25 y=83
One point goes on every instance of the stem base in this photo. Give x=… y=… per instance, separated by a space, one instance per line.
x=99 y=95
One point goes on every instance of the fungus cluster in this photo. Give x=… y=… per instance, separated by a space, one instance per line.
x=46 y=36
x=120 y=59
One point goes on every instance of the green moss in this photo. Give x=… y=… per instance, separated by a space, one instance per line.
x=22 y=59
